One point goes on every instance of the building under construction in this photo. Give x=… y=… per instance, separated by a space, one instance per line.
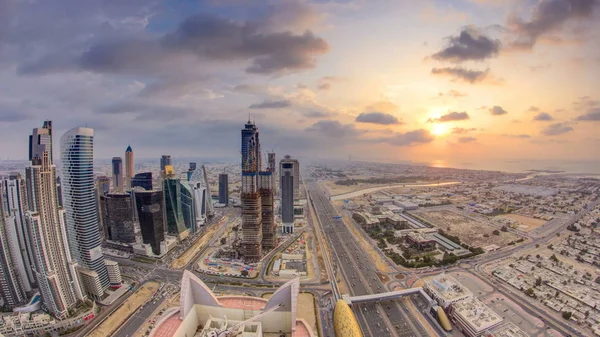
x=266 y=200
x=250 y=196
x=258 y=223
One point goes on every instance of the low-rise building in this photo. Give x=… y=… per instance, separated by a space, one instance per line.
x=445 y=290
x=473 y=318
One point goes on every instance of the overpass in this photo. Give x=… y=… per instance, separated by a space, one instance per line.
x=391 y=295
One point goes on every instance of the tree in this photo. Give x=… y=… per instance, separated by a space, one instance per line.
x=496 y=232
x=554 y=258
x=538 y=281
x=529 y=292
x=537 y=245
x=567 y=314
x=244 y=273
x=504 y=228
x=223 y=241
x=550 y=246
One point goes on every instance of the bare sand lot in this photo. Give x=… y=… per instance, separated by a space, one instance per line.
x=531 y=223
x=473 y=232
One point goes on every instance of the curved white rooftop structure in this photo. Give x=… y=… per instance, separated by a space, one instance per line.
x=202 y=314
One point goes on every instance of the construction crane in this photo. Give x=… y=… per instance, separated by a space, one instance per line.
x=231 y=331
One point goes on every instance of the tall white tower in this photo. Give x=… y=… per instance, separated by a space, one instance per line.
x=77 y=157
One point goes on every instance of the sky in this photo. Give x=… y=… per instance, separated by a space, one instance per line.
x=463 y=83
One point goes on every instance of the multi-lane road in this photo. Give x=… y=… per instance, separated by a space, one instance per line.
x=386 y=318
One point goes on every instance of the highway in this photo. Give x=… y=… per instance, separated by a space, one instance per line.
x=136 y=320
x=386 y=318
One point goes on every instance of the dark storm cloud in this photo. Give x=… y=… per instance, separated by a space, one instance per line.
x=543 y=116
x=497 y=111
x=377 y=118
x=415 y=137
x=450 y=117
x=590 y=116
x=268 y=104
x=464 y=140
x=557 y=129
x=462 y=130
x=469 y=45
x=332 y=128
x=198 y=38
x=547 y=17
x=467 y=75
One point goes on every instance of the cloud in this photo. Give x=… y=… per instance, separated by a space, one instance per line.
x=333 y=128
x=462 y=130
x=590 y=116
x=382 y=106
x=543 y=116
x=415 y=137
x=316 y=114
x=533 y=108
x=521 y=136
x=197 y=40
x=453 y=93
x=557 y=129
x=450 y=117
x=464 y=140
x=269 y=104
x=466 y=75
x=586 y=102
x=377 y=118
x=325 y=83
x=547 y=17
x=469 y=45
x=497 y=111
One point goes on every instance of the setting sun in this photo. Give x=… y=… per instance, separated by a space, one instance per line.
x=439 y=129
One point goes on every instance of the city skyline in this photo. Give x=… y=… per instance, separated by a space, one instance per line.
x=475 y=87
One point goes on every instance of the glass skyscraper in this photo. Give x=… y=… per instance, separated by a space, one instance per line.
x=77 y=150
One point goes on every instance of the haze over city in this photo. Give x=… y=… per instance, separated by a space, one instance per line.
x=472 y=84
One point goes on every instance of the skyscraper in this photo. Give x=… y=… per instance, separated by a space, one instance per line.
x=128 y=166
x=150 y=215
x=173 y=210
x=273 y=169
x=198 y=182
x=295 y=174
x=11 y=286
x=287 y=171
x=265 y=178
x=118 y=217
x=16 y=208
x=77 y=154
x=103 y=184
x=143 y=180
x=164 y=161
x=224 y=189
x=53 y=267
x=117 y=173
x=250 y=196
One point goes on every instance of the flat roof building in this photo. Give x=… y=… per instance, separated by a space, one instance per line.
x=445 y=290
x=473 y=318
